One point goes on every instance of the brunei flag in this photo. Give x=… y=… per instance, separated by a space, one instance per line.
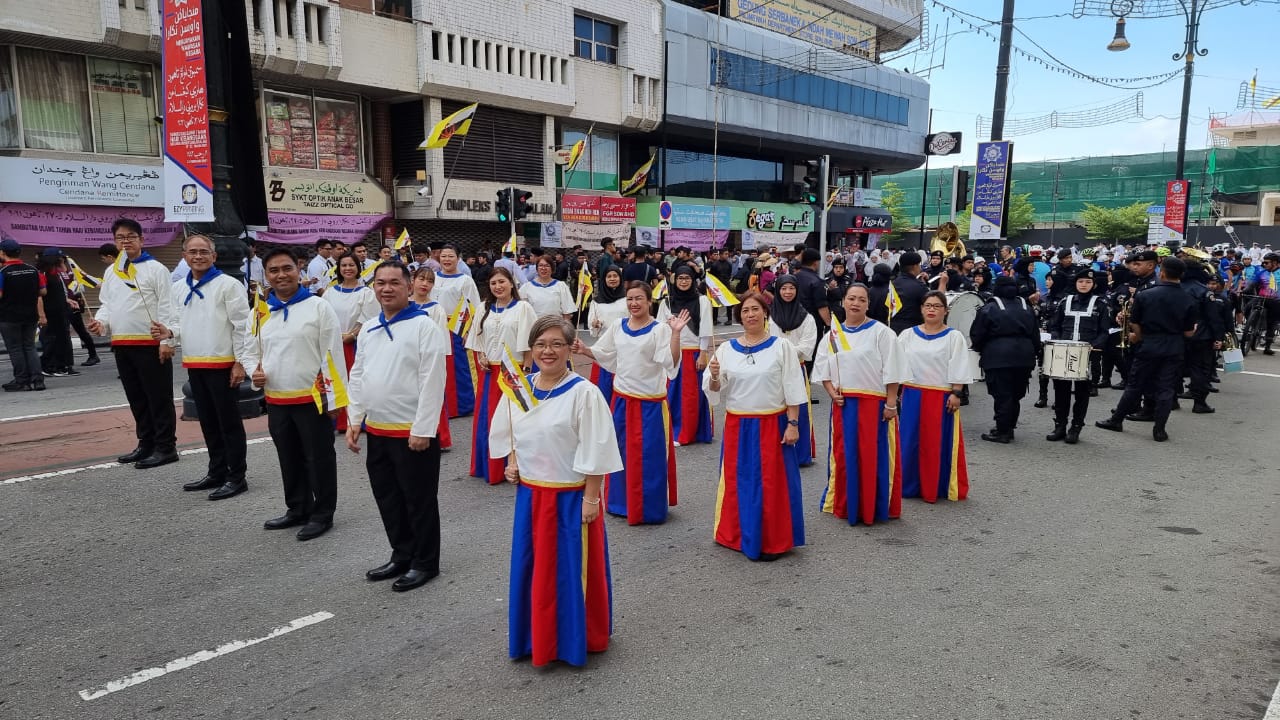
x=329 y=390
x=402 y=241
x=510 y=245
x=1273 y=102
x=575 y=154
x=460 y=318
x=81 y=280
x=366 y=275
x=127 y=273
x=585 y=288
x=892 y=302
x=719 y=294
x=659 y=290
x=636 y=182
x=458 y=123
x=261 y=311
x=514 y=383
x=838 y=338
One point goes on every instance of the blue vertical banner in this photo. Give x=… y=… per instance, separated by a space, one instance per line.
x=991 y=190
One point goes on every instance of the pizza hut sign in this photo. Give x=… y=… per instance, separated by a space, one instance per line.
x=872 y=223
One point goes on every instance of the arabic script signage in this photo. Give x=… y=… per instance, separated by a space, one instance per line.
x=67 y=182
x=325 y=196
x=80 y=227
x=188 y=164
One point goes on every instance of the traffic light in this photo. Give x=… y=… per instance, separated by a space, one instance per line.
x=504 y=205
x=521 y=206
x=812 y=181
x=961 y=189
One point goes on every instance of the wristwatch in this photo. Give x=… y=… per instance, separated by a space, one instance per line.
x=793 y=423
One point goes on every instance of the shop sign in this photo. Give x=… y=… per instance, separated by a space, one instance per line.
x=324 y=196
x=66 y=182
x=597 y=209
x=787 y=219
x=810 y=22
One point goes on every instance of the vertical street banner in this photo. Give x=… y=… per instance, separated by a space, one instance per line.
x=188 y=164
x=991 y=190
x=1176 y=193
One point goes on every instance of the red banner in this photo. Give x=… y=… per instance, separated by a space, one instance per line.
x=580 y=208
x=188 y=177
x=617 y=210
x=1175 y=206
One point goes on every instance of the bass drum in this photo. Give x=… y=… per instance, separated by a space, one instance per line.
x=962 y=308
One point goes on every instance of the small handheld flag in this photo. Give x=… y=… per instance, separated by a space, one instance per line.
x=838 y=338
x=636 y=182
x=659 y=290
x=458 y=123
x=510 y=245
x=514 y=383
x=329 y=391
x=719 y=293
x=82 y=280
x=460 y=318
x=585 y=288
x=892 y=302
x=261 y=311
x=126 y=272
x=1273 y=102
x=366 y=275
x=402 y=240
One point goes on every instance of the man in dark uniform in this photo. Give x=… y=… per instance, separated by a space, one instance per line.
x=1162 y=317
x=1006 y=335
x=1198 y=360
x=1142 y=275
x=911 y=292
x=1062 y=278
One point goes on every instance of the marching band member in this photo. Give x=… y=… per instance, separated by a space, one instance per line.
x=1081 y=317
x=457 y=294
x=642 y=353
x=547 y=295
x=300 y=342
x=504 y=323
x=424 y=280
x=608 y=307
x=354 y=304
x=759 y=377
x=397 y=396
x=1006 y=335
x=560 y=450
x=213 y=330
x=860 y=365
x=690 y=411
x=933 y=458
x=789 y=320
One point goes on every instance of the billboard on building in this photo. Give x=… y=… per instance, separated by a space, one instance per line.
x=991 y=190
x=810 y=22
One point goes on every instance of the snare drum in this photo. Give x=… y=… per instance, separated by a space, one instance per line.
x=1066 y=360
x=962 y=308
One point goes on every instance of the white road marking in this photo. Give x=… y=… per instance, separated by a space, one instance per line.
x=104 y=466
x=1273 y=710
x=1250 y=372
x=77 y=411
x=183 y=663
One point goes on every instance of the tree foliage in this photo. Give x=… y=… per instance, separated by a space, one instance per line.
x=893 y=200
x=1115 y=224
x=1022 y=215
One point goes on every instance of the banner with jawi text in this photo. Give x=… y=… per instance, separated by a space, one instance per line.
x=188 y=161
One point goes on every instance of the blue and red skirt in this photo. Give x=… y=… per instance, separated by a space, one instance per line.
x=864 y=478
x=460 y=379
x=933 y=462
x=807 y=447
x=646 y=486
x=561 y=594
x=758 y=506
x=482 y=466
x=603 y=379
x=690 y=410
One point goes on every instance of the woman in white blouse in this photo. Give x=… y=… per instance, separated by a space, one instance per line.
x=861 y=365
x=424 y=281
x=642 y=354
x=608 y=307
x=457 y=294
x=760 y=381
x=690 y=411
x=558 y=452
x=547 y=295
x=933 y=462
x=353 y=303
x=788 y=319
x=503 y=326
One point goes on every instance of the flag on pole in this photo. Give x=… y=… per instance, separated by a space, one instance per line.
x=636 y=182
x=331 y=275
x=575 y=154
x=585 y=288
x=126 y=272
x=460 y=318
x=261 y=311
x=831 y=199
x=402 y=240
x=366 y=275
x=892 y=301
x=838 y=338
x=719 y=293
x=659 y=290
x=81 y=280
x=1273 y=102
x=329 y=391
x=458 y=123
x=510 y=245
x=1253 y=85
x=514 y=383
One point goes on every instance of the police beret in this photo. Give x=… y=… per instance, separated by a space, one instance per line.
x=1145 y=256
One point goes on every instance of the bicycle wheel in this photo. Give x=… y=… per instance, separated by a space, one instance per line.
x=1258 y=322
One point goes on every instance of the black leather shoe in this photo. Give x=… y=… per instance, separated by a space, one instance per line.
x=1041 y=402
x=1059 y=433
x=1141 y=417
x=997 y=437
x=137 y=454
x=1073 y=434
x=90 y=362
x=386 y=572
x=1093 y=391
x=1201 y=408
x=1111 y=424
x=1213 y=389
x=156 y=459
x=313 y=530
x=37 y=386
x=15 y=386
x=1186 y=395
x=411 y=580
x=1158 y=434
x=208 y=482
x=284 y=521
x=229 y=489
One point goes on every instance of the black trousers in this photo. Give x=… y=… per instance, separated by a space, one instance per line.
x=1070 y=398
x=148 y=386
x=1154 y=377
x=308 y=466
x=220 y=423
x=1199 y=359
x=1007 y=387
x=55 y=344
x=77 y=323
x=404 y=484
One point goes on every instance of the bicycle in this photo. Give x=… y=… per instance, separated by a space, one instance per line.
x=1255 y=323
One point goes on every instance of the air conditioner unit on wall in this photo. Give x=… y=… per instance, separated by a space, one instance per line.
x=409 y=194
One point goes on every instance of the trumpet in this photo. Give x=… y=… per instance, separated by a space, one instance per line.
x=1125 y=303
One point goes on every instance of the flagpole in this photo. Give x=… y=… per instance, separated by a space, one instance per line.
x=448 y=177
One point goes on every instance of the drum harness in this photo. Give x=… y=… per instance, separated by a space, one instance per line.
x=1078 y=314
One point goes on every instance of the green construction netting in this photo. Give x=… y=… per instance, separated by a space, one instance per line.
x=1110 y=181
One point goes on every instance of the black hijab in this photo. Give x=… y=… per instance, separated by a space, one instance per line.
x=786 y=315
x=606 y=294
x=678 y=299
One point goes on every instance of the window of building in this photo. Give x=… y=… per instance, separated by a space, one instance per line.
x=595 y=39
x=689 y=174
x=502 y=146
x=598 y=167
x=124 y=107
x=312 y=132
x=55 y=101
x=8 y=102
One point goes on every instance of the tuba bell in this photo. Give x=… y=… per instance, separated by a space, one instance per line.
x=947 y=241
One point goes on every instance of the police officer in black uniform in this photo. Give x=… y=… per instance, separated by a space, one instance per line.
x=1142 y=275
x=1199 y=358
x=1006 y=335
x=911 y=292
x=1162 y=317
x=1081 y=317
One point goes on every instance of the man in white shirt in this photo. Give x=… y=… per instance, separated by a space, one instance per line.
x=251 y=268
x=179 y=271
x=318 y=268
x=508 y=261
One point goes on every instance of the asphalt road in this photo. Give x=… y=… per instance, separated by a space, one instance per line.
x=1114 y=579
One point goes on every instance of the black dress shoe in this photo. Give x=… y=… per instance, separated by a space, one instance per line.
x=1141 y=417
x=1186 y=395
x=229 y=489
x=37 y=386
x=1041 y=402
x=1158 y=434
x=90 y=362
x=1213 y=389
x=284 y=521
x=208 y=482
x=411 y=580
x=137 y=454
x=386 y=572
x=997 y=437
x=156 y=459
x=313 y=530
x=1111 y=424
x=1093 y=391
x=1201 y=408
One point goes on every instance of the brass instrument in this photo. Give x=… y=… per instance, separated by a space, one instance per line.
x=1125 y=303
x=947 y=241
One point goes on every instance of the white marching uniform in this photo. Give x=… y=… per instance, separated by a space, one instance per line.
x=449 y=289
x=294 y=348
x=606 y=313
x=507 y=327
x=397 y=382
x=936 y=363
x=584 y=423
x=553 y=298
x=641 y=363
x=352 y=306
x=802 y=338
x=691 y=337
x=214 y=330
x=874 y=359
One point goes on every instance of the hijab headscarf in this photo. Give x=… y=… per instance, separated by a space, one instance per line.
x=606 y=294
x=786 y=315
x=678 y=299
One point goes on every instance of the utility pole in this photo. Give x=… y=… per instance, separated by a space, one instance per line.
x=825 y=171
x=1189 y=53
x=1002 y=72
x=924 y=187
